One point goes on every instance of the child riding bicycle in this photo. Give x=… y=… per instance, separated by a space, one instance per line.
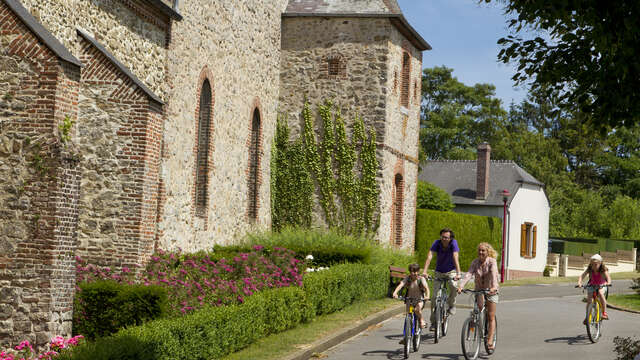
x=598 y=275
x=417 y=288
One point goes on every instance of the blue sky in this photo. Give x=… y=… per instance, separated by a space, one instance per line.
x=464 y=35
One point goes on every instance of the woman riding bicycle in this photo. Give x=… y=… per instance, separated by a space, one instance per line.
x=485 y=271
x=598 y=275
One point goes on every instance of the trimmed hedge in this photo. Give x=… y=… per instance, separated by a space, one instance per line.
x=470 y=230
x=103 y=307
x=213 y=332
x=333 y=289
x=576 y=246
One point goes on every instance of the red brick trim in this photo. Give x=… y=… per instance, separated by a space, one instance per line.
x=405 y=79
x=254 y=162
x=333 y=66
x=398 y=153
x=205 y=75
x=521 y=274
x=397 y=204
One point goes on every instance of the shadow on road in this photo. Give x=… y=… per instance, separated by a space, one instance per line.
x=444 y=356
x=575 y=340
x=391 y=355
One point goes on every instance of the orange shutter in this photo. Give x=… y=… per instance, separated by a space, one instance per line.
x=535 y=236
x=523 y=240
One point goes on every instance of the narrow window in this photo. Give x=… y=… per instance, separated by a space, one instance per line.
x=528 y=239
x=202 y=159
x=254 y=166
x=398 y=209
x=404 y=90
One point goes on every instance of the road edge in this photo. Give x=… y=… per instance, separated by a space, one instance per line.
x=346 y=333
x=622 y=309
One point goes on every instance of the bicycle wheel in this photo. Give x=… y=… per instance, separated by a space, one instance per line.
x=470 y=340
x=437 y=325
x=486 y=336
x=593 y=322
x=407 y=336
x=417 y=335
x=445 y=319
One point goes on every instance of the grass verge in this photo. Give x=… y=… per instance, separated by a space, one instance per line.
x=630 y=301
x=277 y=346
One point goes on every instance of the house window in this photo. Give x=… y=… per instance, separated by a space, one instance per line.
x=528 y=240
x=398 y=209
x=254 y=166
x=404 y=88
x=202 y=158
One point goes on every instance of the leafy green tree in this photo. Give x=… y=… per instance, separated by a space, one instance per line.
x=432 y=197
x=456 y=117
x=584 y=51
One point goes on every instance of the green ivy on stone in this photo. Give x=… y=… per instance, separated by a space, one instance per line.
x=340 y=170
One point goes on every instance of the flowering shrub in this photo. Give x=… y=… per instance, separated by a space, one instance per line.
x=25 y=351
x=195 y=280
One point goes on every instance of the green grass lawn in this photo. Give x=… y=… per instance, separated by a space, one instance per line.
x=630 y=301
x=278 y=346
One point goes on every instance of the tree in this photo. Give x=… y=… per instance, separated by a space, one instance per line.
x=587 y=54
x=432 y=197
x=456 y=117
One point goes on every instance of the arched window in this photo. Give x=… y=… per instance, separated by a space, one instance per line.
x=406 y=72
x=202 y=159
x=254 y=166
x=398 y=208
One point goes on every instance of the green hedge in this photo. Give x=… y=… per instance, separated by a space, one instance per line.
x=577 y=246
x=214 y=332
x=333 y=289
x=103 y=307
x=470 y=230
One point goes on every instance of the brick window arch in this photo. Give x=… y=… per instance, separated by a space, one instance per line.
x=254 y=165
x=406 y=72
x=203 y=146
x=398 y=197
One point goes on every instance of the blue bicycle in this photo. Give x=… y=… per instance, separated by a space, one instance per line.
x=411 y=331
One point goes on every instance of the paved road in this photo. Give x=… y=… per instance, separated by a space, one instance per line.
x=535 y=322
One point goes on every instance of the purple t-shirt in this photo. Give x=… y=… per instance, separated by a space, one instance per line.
x=444 y=256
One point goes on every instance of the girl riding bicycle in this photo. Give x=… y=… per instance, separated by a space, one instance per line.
x=485 y=271
x=598 y=275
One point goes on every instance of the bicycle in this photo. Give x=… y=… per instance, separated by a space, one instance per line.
x=594 y=312
x=411 y=330
x=441 y=309
x=476 y=328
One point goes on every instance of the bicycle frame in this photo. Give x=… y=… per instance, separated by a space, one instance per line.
x=412 y=335
x=594 y=311
x=475 y=330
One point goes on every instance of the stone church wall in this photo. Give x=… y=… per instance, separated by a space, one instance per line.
x=236 y=47
x=39 y=191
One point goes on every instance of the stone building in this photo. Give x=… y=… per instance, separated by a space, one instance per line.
x=131 y=125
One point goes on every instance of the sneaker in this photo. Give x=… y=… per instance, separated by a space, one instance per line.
x=452 y=310
x=401 y=342
x=432 y=328
x=605 y=316
x=584 y=322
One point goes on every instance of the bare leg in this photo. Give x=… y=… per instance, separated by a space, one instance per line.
x=603 y=301
x=491 y=312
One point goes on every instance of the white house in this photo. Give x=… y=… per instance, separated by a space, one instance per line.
x=476 y=187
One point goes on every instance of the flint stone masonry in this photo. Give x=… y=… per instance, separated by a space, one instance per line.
x=239 y=42
x=371 y=49
x=40 y=185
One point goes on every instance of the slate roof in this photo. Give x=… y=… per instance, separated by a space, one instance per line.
x=358 y=8
x=458 y=178
x=120 y=66
x=43 y=34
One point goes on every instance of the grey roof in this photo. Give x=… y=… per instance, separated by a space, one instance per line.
x=458 y=178
x=43 y=34
x=120 y=66
x=358 y=8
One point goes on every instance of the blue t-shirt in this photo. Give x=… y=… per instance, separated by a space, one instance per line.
x=444 y=256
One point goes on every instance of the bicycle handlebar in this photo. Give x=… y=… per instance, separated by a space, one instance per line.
x=481 y=291
x=593 y=286
x=404 y=298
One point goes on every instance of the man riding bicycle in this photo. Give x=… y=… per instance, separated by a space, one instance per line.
x=447 y=268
